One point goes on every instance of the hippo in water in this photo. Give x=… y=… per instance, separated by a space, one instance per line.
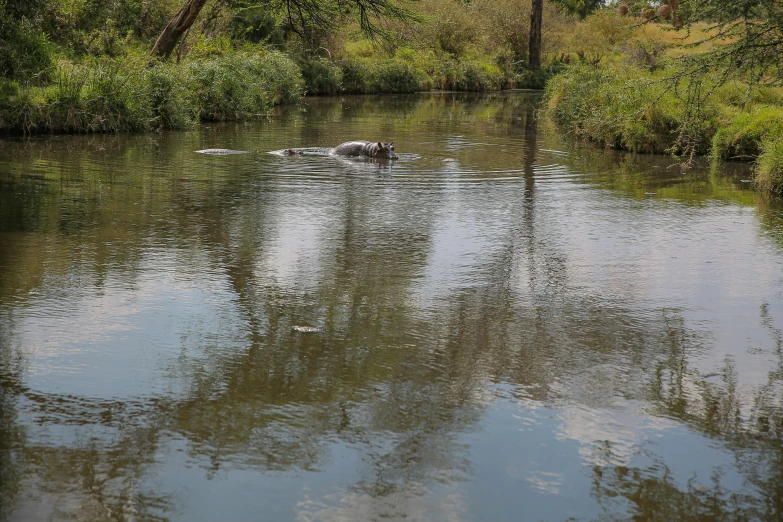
x=379 y=150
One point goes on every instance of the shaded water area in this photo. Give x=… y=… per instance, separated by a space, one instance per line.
x=508 y=326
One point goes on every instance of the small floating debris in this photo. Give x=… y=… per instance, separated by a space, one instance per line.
x=746 y=181
x=221 y=152
x=650 y=193
x=305 y=329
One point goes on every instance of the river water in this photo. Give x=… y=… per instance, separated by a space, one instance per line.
x=509 y=326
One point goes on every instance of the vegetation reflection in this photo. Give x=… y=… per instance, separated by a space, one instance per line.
x=395 y=373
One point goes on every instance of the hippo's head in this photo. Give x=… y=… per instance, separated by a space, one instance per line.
x=385 y=150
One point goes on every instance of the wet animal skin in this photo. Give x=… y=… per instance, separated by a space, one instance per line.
x=368 y=149
x=380 y=150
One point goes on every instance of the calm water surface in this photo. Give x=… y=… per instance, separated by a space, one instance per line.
x=511 y=327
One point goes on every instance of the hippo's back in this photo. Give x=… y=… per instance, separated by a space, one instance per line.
x=369 y=149
x=353 y=148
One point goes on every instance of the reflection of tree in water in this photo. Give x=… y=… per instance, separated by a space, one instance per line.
x=753 y=432
x=770 y=211
x=380 y=378
x=11 y=435
x=96 y=474
x=399 y=386
x=281 y=403
x=655 y=496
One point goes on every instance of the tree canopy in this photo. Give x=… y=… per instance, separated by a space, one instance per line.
x=749 y=38
x=580 y=8
x=306 y=18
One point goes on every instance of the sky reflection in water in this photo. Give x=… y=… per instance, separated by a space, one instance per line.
x=511 y=327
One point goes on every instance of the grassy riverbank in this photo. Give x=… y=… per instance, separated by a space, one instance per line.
x=136 y=94
x=86 y=66
x=113 y=95
x=657 y=89
x=630 y=109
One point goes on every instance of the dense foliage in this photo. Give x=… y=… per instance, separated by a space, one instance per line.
x=701 y=76
x=112 y=95
x=84 y=65
x=581 y=8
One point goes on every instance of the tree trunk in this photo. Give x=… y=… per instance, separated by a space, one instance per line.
x=534 y=50
x=181 y=22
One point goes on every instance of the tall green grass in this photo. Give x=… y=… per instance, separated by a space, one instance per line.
x=117 y=95
x=364 y=76
x=242 y=85
x=743 y=136
x=320 y=75
x=769 y=168
x=628 y=109
x=171 y=98
x=105 y=97
x=468 y=75
x=410 y=71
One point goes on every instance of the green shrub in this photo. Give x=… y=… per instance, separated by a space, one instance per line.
x=529 y=79
x=628 y=109
x=389 y=76
x=743 y=136
x=355 y=76
x=172 y=104
x=257 y=24
x=8 y=88
x=121 y=95
x=320 y=75
x=103 y=27
x=452 y=31
x=467 y=75
x=647 y=54
x=395 y=76
x=242 y=85
x=25 y=56
x=769 y=169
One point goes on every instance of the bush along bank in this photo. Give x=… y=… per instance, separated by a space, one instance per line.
x=118 y=95
x=630 y=109
x=123 y=94
x=755 y=135
x=409 y=71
